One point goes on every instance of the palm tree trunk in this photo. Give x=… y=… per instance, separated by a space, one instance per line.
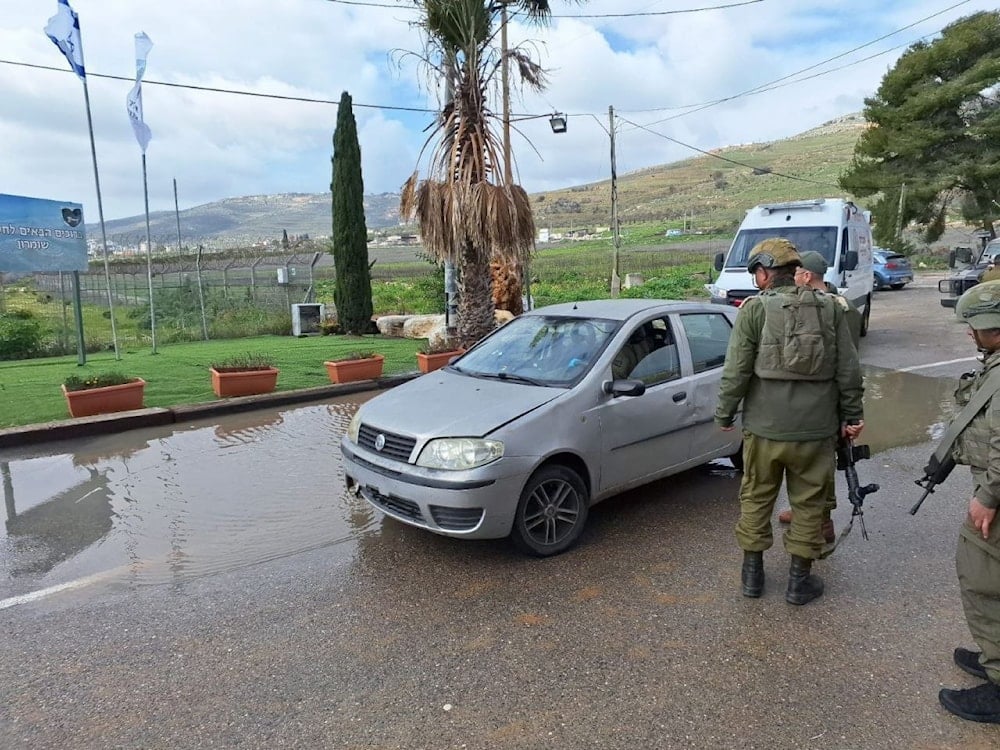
x=475 y=298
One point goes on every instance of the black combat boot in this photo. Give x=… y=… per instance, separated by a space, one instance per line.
x=803 y=586
x=753 y=574
x=969 y=662
x=975 y=704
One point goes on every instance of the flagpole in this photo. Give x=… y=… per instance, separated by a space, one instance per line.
x=177 y=216
x=149 y=254
x=100 y=216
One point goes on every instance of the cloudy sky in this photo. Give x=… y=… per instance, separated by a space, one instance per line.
x=659 y=68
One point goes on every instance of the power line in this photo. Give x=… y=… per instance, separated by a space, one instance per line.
x=218 y=90
x=761 y=88
x=575 y=15
x=723 y=158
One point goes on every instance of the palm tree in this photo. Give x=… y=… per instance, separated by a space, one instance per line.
x=470 y=212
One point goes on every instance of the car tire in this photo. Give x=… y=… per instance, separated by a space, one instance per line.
x=866 y=316
x=551 y=511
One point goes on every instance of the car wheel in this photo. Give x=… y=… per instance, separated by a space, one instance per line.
x=551 y=512
x=867 y=316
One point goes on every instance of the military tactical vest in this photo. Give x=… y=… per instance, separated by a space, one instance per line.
x=798 y=340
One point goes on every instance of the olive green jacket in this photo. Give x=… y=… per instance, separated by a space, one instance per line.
x=790 y=410
x=978 y=445
x=853 y=314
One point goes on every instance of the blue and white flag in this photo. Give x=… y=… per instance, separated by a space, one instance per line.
x=64 y=31
x=133 y=102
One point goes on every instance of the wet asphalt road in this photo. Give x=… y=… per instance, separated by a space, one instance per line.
x=370 y=634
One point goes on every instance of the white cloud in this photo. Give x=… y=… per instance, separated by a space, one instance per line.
x=221 y=145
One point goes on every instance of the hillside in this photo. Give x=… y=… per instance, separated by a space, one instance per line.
x=248 y=219
x=714 y=191
x=709 y=191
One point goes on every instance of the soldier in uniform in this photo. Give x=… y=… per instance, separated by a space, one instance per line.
x=978 y=558
x=792 y=364
x=811 y=274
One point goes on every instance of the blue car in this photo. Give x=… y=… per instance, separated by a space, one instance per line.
x=892 y=270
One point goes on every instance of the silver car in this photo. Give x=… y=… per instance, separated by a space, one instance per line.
x=560 y=408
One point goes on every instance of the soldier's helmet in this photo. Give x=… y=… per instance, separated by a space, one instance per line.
x=773 y=253
x=980 y=306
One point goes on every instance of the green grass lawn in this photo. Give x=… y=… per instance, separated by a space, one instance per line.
x=30 y=390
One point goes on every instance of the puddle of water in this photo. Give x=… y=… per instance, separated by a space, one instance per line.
x=168 y=505
x=902 y=408
x=182 y=504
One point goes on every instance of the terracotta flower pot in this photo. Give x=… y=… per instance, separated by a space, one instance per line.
x=348 y=370
x=431 y=362
x=243 y=382
x=106 y=399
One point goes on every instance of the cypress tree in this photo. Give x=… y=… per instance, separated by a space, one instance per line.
x=352 y=292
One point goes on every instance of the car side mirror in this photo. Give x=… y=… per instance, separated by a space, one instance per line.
x=963 y=255
x=849 y=261
x=624 y=387
x=720 y=259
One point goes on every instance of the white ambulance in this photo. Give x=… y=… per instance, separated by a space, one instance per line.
x=835 y=228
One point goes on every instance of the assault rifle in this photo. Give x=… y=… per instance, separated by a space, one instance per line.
x=935 y=472
x=847 y=455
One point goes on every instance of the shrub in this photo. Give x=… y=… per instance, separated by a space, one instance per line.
x=440 y=348
x=98 y=380
x=245 y=362
x=21 y=335
x=350 y=356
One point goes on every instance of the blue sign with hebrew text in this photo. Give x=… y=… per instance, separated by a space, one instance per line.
x=41 y=235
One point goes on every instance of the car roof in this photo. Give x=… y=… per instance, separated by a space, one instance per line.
x=621 y=309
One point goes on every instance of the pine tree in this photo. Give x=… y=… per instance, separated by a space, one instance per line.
x=352 y=292
x=935 y=128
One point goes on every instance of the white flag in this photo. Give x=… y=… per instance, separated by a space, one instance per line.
x=133 y=102
x=64 y=31
x=143 y=44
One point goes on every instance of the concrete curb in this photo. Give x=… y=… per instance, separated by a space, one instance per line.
x=104 y=424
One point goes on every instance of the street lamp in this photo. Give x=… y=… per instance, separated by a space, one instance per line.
x=558 y=123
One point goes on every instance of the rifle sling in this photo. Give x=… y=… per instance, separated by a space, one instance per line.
x=964 y=417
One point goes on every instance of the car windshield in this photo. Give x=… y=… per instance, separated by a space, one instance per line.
x=540 y=350
x=821 y=239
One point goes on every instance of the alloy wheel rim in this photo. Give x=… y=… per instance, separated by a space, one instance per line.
x=552 y=512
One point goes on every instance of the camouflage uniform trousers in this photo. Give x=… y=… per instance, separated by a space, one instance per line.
x=807 y=468
x=978 y=566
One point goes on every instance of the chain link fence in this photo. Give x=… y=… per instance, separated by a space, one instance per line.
x=236 y=292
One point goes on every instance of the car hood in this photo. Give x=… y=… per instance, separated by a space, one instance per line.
x=447 y=404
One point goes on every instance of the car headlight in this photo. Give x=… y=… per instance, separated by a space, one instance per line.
x=715 y=291
x=354 y=427
x=456 y=454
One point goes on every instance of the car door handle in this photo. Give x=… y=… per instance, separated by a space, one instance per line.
x=679 y=396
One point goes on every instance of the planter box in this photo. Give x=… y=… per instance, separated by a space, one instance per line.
x=431 y=362
x=243 y=382
x=350 y=370
x=105 y=400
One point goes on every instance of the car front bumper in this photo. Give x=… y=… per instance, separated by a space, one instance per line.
x=475 y=504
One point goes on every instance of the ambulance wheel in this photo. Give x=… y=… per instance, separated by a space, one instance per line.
x=867 y=316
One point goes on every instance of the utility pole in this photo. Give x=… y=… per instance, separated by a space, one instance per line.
x=508 y=170
x=508 y=173
x=616 y=282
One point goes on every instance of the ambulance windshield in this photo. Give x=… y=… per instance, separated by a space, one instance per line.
x=821 y=239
